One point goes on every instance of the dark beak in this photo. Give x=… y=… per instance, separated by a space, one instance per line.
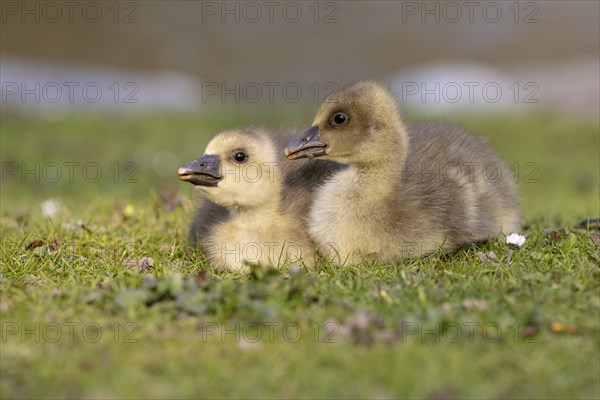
x=308 y=145
x=201 y=172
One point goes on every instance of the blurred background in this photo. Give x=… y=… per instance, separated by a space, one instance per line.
x=107 y=98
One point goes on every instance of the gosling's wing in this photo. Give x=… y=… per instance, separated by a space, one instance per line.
x=449 y=153
x=207 y=216
x=467 y=186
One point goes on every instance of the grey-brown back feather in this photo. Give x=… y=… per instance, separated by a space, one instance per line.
x=206 y=217
x=431 y=184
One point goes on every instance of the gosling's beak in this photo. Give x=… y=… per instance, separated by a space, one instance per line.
x=307 y=145
x=201 y=172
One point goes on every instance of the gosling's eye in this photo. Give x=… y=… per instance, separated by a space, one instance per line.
x=339 y=118
x=240 y=157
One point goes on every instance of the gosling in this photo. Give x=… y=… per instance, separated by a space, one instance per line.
x=409 y=191
x=246 y=217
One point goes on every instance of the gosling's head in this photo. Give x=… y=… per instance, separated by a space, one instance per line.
x=359 y=124
x=239 y=169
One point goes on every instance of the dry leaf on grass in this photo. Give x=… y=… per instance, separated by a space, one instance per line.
x=595 y=238
x=556 y=236
x=144 y=263
x=52 y=245
x=487 y=257
x=34 y=244
x=558 y=327
x=530 y=330
x=202 y=276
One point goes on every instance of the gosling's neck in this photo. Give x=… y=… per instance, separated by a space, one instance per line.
x=266 y=207
x=380 y=171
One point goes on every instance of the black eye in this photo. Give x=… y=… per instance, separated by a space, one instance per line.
x=240 y=157
x=339 y=118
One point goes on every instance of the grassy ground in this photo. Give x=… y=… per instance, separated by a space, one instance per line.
x=86 y=313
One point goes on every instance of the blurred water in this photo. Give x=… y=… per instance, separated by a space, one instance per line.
x=53 y=89
x=567 y=86
x=438 y=56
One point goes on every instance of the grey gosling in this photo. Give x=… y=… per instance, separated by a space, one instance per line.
x=409 y=191
x=246 y=217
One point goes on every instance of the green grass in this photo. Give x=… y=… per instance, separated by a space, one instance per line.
x=79 y=319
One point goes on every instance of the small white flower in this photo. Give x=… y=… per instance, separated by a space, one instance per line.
x=50 y=207
x=516 y=239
